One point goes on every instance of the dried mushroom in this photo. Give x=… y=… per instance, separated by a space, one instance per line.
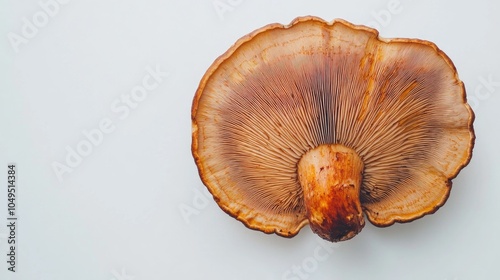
x=319 y=122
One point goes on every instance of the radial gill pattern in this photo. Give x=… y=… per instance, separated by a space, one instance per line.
x=282 y=91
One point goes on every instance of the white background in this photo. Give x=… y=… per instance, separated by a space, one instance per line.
x=117 y=214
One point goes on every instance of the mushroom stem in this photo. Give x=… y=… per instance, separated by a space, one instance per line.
x=330 y=176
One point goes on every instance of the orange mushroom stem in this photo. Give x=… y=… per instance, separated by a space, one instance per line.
x=331 y=176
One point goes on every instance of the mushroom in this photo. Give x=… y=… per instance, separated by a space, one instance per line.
x=321 y=123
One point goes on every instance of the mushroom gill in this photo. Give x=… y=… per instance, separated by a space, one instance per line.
x=283 y=91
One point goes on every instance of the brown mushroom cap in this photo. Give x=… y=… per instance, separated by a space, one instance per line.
x=284 y=90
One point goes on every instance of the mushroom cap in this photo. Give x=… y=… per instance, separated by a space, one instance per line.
x=283 y=90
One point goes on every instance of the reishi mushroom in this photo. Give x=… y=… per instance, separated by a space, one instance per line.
x=321 y=123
